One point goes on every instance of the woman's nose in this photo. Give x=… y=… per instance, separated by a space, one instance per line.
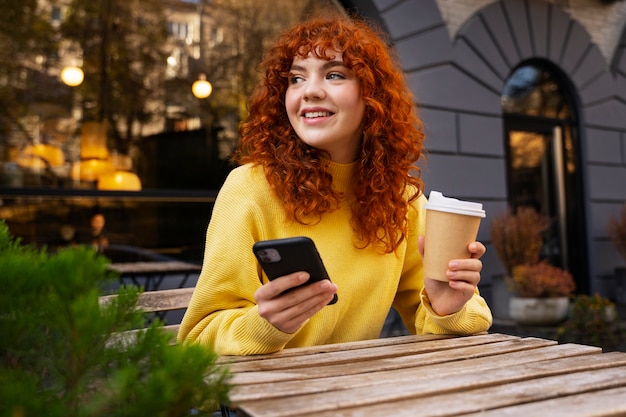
x=314 y=89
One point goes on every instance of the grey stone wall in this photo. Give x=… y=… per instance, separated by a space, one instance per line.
x=458 y=83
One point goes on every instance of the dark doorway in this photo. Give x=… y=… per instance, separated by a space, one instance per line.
x=543 y=161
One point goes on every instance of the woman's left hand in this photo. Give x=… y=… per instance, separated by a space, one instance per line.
x=464 y=276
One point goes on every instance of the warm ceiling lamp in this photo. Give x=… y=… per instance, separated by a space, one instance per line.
x=93 y=141
x=91 y=169
x=37 y=156
x=201 y=88
x=72 y=76
x=120 y=180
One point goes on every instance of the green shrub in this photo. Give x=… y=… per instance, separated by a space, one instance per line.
x=59 y=355
x=593 y=321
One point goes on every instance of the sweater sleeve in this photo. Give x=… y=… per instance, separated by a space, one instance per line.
x=474 y=317
x=222 y=312
x=412 y=301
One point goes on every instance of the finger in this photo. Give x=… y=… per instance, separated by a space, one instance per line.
x=293 y=317
x=477 y=249
x=302 y=296
x=471 y=264
x=470 y=277
x=276 y=287
x=466 y=283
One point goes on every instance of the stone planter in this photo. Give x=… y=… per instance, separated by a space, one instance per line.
x=538 y=311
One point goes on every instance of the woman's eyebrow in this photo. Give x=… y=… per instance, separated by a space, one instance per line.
x=327 y=65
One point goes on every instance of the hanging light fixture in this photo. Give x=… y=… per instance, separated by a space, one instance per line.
x=201 y=88
x=122 y=178
x=39 y=155
x=94 y=154
x=72 y=75
x=91 y=169
x=93 y=140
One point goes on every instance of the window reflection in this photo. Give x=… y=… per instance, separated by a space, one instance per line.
x=532 y=90
x=129 y=229
x=130 y=138
x=527 y=149
x=137 y=63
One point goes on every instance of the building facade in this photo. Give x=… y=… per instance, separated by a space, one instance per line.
x=524 y=103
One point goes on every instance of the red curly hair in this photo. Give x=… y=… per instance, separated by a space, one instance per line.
x=392 y=134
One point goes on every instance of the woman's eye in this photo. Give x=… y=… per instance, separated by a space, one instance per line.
x=294 y=79
x=335 y=76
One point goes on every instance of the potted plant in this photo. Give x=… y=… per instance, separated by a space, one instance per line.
x=517 y=239
x=594 y=320
x=542 y=294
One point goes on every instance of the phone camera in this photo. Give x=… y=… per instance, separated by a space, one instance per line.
x=269 y=255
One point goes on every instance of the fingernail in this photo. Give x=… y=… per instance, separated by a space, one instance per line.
x=453 y=264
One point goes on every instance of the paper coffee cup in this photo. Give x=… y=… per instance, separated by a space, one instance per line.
x=451 y=225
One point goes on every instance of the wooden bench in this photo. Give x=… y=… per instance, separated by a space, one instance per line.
x=160 y=301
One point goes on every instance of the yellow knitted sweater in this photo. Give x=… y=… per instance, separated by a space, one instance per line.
x=222 y=312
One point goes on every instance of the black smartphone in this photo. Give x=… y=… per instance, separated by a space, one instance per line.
x=279 y=257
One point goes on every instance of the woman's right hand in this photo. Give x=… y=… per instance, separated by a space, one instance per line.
x=291 y=310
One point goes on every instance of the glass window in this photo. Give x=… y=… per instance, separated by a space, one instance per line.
x=133 y=229
x=543 y=163
x=532 y=90
x=99 y=115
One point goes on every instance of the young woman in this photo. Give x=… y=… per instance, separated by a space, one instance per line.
x=328 y=151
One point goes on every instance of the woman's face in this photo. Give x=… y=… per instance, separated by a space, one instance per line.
x=325 y=107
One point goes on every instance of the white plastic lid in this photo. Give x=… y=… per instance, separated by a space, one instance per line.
x=437 y=201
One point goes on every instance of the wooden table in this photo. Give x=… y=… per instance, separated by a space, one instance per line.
x=154 y=272
x=484 y=375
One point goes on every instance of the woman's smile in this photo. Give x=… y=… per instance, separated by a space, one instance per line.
x=324 y=105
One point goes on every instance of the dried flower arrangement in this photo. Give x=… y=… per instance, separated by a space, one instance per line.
x=517 y=238
x=616 y=229
x=542 y=280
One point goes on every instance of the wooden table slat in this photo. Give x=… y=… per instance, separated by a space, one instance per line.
x=140 y=268
x=340 y=347
x=474 y=400
x=610 y=402
x=491 y=375
x=358 y=355
x=287 y=385
x=411 y=387
x=403 y=362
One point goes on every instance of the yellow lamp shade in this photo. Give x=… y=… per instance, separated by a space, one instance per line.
x=120 y=180
x=91 y=169
x=31 y=162
x=36 y=156
x=93 y=141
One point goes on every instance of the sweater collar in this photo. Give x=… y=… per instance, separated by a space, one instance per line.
x=343 y=174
